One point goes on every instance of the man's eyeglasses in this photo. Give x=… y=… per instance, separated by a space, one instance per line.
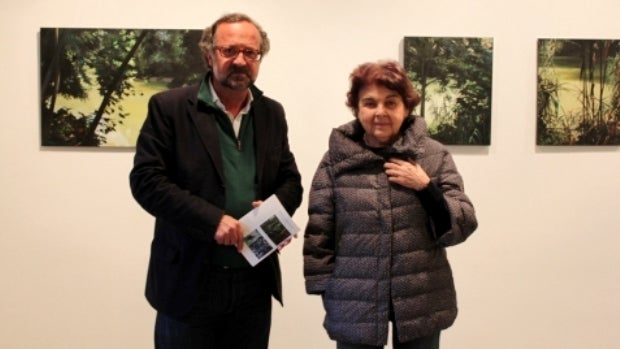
x=233 y=51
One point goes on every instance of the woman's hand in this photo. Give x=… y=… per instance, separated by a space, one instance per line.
x=409 y=174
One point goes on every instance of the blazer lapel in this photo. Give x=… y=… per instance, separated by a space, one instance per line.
x=261 y=136
x=207 y=130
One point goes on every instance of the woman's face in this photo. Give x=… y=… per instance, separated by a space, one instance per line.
x=381 y=112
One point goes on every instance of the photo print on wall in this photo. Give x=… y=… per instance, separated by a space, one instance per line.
x=95 y=83
x=578 y=92
x=454 y=77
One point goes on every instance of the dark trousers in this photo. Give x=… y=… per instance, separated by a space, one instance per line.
x=233 y=312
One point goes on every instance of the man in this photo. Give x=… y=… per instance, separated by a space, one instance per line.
x=206 y=155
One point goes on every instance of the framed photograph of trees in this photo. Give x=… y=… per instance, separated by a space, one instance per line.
x=578 y=92
x=95 y=83
x=454 y=77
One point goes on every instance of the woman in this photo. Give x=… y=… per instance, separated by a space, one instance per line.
x=385 y=201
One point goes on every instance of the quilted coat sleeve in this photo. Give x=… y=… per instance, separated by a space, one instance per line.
x=319 y=238
x=462 y=213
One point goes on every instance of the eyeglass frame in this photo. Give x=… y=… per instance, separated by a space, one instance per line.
x=236 y=50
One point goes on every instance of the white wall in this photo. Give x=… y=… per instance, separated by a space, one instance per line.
x=540 y=272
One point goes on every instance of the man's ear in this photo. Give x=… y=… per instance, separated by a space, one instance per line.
x=209 y=59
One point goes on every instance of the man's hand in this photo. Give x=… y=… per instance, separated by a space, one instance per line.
x=286 y=242
x=229 y=232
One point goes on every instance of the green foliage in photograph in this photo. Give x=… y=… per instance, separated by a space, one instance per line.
x=95 y=82
x=578 y=94
x=454 y=78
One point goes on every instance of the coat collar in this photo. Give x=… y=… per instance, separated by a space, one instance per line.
x=346 y=148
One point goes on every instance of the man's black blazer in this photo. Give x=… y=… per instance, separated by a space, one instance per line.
x=178 y=178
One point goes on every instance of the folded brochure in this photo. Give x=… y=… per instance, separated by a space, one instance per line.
x=266 y=228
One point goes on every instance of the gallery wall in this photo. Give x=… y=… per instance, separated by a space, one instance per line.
x=540 y=272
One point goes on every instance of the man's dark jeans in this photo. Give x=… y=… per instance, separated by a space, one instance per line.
x=234 y=312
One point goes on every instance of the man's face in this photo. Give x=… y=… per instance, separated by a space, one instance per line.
x=237 y=72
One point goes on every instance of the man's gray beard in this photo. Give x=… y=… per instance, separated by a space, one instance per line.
x=237 y=85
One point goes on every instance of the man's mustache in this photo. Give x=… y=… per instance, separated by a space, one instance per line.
x=240 y=70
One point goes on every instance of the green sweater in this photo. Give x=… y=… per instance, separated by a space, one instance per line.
x=239 y=164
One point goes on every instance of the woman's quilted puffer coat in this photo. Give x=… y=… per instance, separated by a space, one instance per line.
x=369 y=242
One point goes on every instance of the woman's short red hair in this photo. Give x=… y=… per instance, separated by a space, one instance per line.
x=389 y=74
